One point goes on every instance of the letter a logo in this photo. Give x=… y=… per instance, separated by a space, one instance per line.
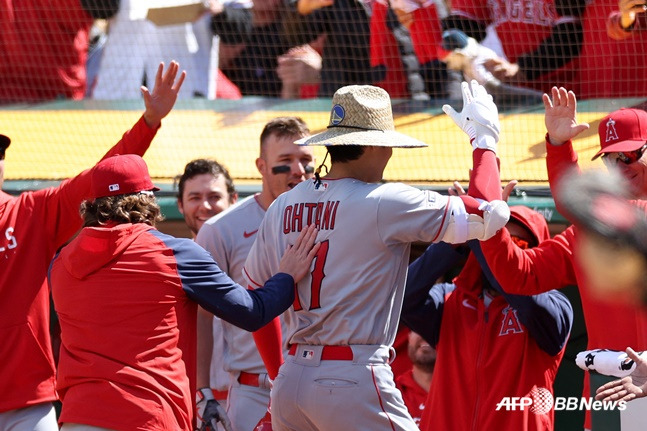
x=510 y=323
x=612 y=135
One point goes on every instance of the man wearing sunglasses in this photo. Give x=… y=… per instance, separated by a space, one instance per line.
x=553 y=263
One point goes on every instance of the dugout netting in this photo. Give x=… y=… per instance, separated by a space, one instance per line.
x=259 y=59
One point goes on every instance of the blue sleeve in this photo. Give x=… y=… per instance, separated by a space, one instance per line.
x=548 y=317
x=422 y=308
x=205 y=283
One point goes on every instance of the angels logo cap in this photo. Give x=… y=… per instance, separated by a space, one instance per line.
x=622 y=130
x=120 y=175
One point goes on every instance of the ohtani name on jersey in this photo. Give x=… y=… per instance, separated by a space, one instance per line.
x=298 y=216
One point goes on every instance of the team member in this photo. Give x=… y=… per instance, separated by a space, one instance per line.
x=346 y=311
x=553 y=263
x=34 y=225
x=122 y=282
x=414 y=384
x=230 y=235
x=205 y=189
x=470 y=322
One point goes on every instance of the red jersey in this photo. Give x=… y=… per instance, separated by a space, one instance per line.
x=43 y=50
x=611 y=68
x=32 y=227
x=127 y=300
x=521 y=26
x=413 y=394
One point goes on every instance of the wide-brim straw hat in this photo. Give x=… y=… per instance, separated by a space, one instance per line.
x=361 y=115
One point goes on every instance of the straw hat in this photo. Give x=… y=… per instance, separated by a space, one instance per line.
x=361 y=115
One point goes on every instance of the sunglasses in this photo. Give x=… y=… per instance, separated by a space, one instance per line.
x=626 y=157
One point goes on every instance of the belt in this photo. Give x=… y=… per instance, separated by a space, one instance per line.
x=220 y=395
x=249 y=379
x=330 y=353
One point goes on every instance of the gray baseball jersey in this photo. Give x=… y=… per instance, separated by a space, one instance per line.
x=229 y=236
x=353 y=294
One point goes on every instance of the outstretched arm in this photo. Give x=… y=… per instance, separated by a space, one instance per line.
x=209 y=286
x=561 y=127
x=66 y=198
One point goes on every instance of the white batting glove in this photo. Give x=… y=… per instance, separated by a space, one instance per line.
x=479 y=117
x=210 y=412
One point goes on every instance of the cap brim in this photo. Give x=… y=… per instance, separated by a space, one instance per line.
x=348 y=136
x=619 y=147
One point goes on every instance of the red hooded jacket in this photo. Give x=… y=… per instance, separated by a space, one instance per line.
x=510 y=348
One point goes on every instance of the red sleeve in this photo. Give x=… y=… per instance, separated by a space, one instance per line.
x=560 y=160
x=533 y=271
x=268 y=342
x=134 y=141
x=62 y=218
x=485 y=182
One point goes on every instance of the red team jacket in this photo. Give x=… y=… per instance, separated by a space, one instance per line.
x=32 y=227
x=478 y=346
x=127 y=300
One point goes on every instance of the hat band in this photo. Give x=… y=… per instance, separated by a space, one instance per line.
x=332 y=126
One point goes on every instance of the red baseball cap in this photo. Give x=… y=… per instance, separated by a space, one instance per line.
x=622 y=130
x=120 y=175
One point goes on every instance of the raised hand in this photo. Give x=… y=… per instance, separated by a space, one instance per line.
x=627 y=388
x=160 y=102
x=298 y=257
x=561 y=116
x=479 y=117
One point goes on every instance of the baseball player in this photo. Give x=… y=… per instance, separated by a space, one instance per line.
x=205 y=189
x=342 y=323
x=34 y=225
x=229 y=237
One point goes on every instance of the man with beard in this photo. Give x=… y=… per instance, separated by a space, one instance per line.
x=414 y=384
